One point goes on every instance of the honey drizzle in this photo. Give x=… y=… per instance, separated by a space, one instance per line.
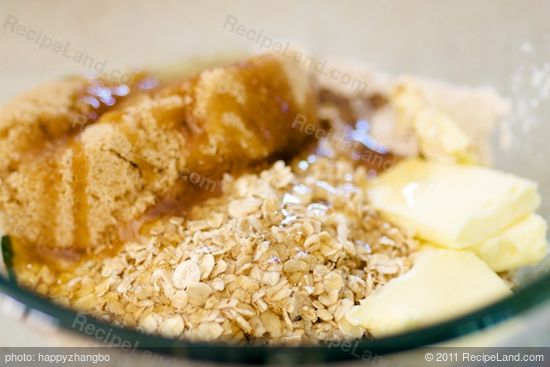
x=101 y=96
x=80 y=171
x=50 y=208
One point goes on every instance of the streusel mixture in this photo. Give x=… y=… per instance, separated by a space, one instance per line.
x=277 y=253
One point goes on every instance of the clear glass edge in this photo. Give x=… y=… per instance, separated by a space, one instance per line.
x=524 y=299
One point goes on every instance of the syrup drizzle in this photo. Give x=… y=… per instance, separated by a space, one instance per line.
x=81 y=235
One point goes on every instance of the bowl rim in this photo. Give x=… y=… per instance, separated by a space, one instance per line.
x=526 y=297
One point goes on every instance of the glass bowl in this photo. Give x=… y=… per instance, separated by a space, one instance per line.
x=505 y=44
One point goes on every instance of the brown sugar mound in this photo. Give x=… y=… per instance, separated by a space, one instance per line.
x=81 y=187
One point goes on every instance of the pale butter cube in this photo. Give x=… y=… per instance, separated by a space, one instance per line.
x=441 y=284
x=452 y=205
x=441 y=139
x=439 y=136
x=522 y=244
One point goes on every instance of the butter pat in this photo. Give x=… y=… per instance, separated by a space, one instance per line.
x=440 y=285
x=441 y=139
x=439 y=136
x=522 y=244
x=452 y=205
